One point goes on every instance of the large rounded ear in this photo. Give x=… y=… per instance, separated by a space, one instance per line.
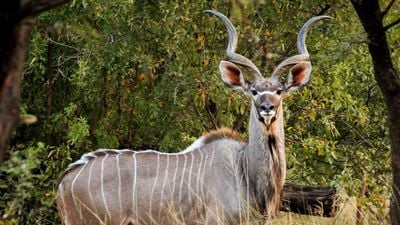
x=232 y=75
x=299 y=76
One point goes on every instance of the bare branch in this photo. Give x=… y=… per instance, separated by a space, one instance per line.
x=34 y=7
x=392 y=24
x=64 y=45
x=212 y=110
x=388 y=7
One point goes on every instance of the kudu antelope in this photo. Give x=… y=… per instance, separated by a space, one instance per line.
x=219 y=179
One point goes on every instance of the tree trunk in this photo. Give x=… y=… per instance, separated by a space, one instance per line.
x=16 y=22
x=388 y=80
x=310 y=200
x=13 y=39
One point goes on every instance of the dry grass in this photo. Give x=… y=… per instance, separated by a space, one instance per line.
x=347 y=215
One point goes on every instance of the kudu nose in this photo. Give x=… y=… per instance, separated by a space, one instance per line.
x=267 y=107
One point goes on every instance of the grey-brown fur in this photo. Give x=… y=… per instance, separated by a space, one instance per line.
x=226 y=163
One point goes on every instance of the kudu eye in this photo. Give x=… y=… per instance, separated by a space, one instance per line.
x=279 y=92
x=254 y=92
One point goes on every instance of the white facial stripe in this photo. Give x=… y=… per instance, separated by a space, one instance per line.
x=267 y=93
x=263 y=92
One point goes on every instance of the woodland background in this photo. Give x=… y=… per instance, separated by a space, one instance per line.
x=143 y=74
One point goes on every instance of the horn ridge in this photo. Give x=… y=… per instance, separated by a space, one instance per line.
x=302 y=47
x=301 y=37
x=230 y=51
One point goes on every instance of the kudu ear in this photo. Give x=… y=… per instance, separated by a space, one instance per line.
x=232 y=75
x=299 y=76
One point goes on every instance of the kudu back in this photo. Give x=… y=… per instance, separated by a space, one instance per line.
x=219 y=179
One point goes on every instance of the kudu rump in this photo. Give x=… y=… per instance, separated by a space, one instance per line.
x=219 y=179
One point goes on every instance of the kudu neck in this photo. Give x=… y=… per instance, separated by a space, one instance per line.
x=259 y=132
x=265 y=159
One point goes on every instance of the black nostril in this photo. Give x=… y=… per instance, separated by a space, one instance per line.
x=267 y=107
x=264 y=107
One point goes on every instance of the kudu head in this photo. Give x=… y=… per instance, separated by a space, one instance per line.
x=266 y=93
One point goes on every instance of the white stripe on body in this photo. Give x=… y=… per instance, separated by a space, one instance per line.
x=155 y=183
x=90 y=190
x=72 y=190
x=182 y=179
x=163 y=187
x=61 y=192
x=86 y=158
x=134 y=203
x=119 y=184
x=198 y=173
x=190 y=175
x=212 y=158
x=102 y=186
x=202 y=177
x=175 y=173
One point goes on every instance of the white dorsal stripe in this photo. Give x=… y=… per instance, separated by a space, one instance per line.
x=87 y=156
x=83 y=160
x=195 y=145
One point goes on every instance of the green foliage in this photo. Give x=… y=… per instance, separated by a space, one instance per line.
x=143 y=74
x=28 y=181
